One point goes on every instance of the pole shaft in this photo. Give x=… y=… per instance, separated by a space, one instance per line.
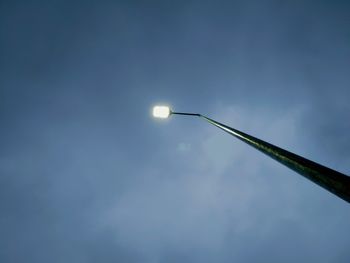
x=335 y=182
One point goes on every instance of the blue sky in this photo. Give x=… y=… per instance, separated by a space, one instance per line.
x=87 y=175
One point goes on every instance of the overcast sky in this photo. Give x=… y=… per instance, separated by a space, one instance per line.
x=87 y=175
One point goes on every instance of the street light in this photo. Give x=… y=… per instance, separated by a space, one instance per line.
x=333 y=181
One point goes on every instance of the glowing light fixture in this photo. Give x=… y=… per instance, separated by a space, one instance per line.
x=162 y=112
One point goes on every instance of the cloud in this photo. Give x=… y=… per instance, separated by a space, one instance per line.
x=183 y=147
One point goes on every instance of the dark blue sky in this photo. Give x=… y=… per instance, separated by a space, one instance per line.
x=87 y=175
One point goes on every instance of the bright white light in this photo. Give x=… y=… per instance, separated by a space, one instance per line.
x=161 y=112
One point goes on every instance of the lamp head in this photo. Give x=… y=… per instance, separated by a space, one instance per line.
x=162 y=112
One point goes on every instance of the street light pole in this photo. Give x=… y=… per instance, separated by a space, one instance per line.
x=331 y=180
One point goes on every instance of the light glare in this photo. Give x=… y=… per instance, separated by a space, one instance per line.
x=161 y=112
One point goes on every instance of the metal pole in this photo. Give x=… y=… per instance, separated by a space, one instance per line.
x=333 y=181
